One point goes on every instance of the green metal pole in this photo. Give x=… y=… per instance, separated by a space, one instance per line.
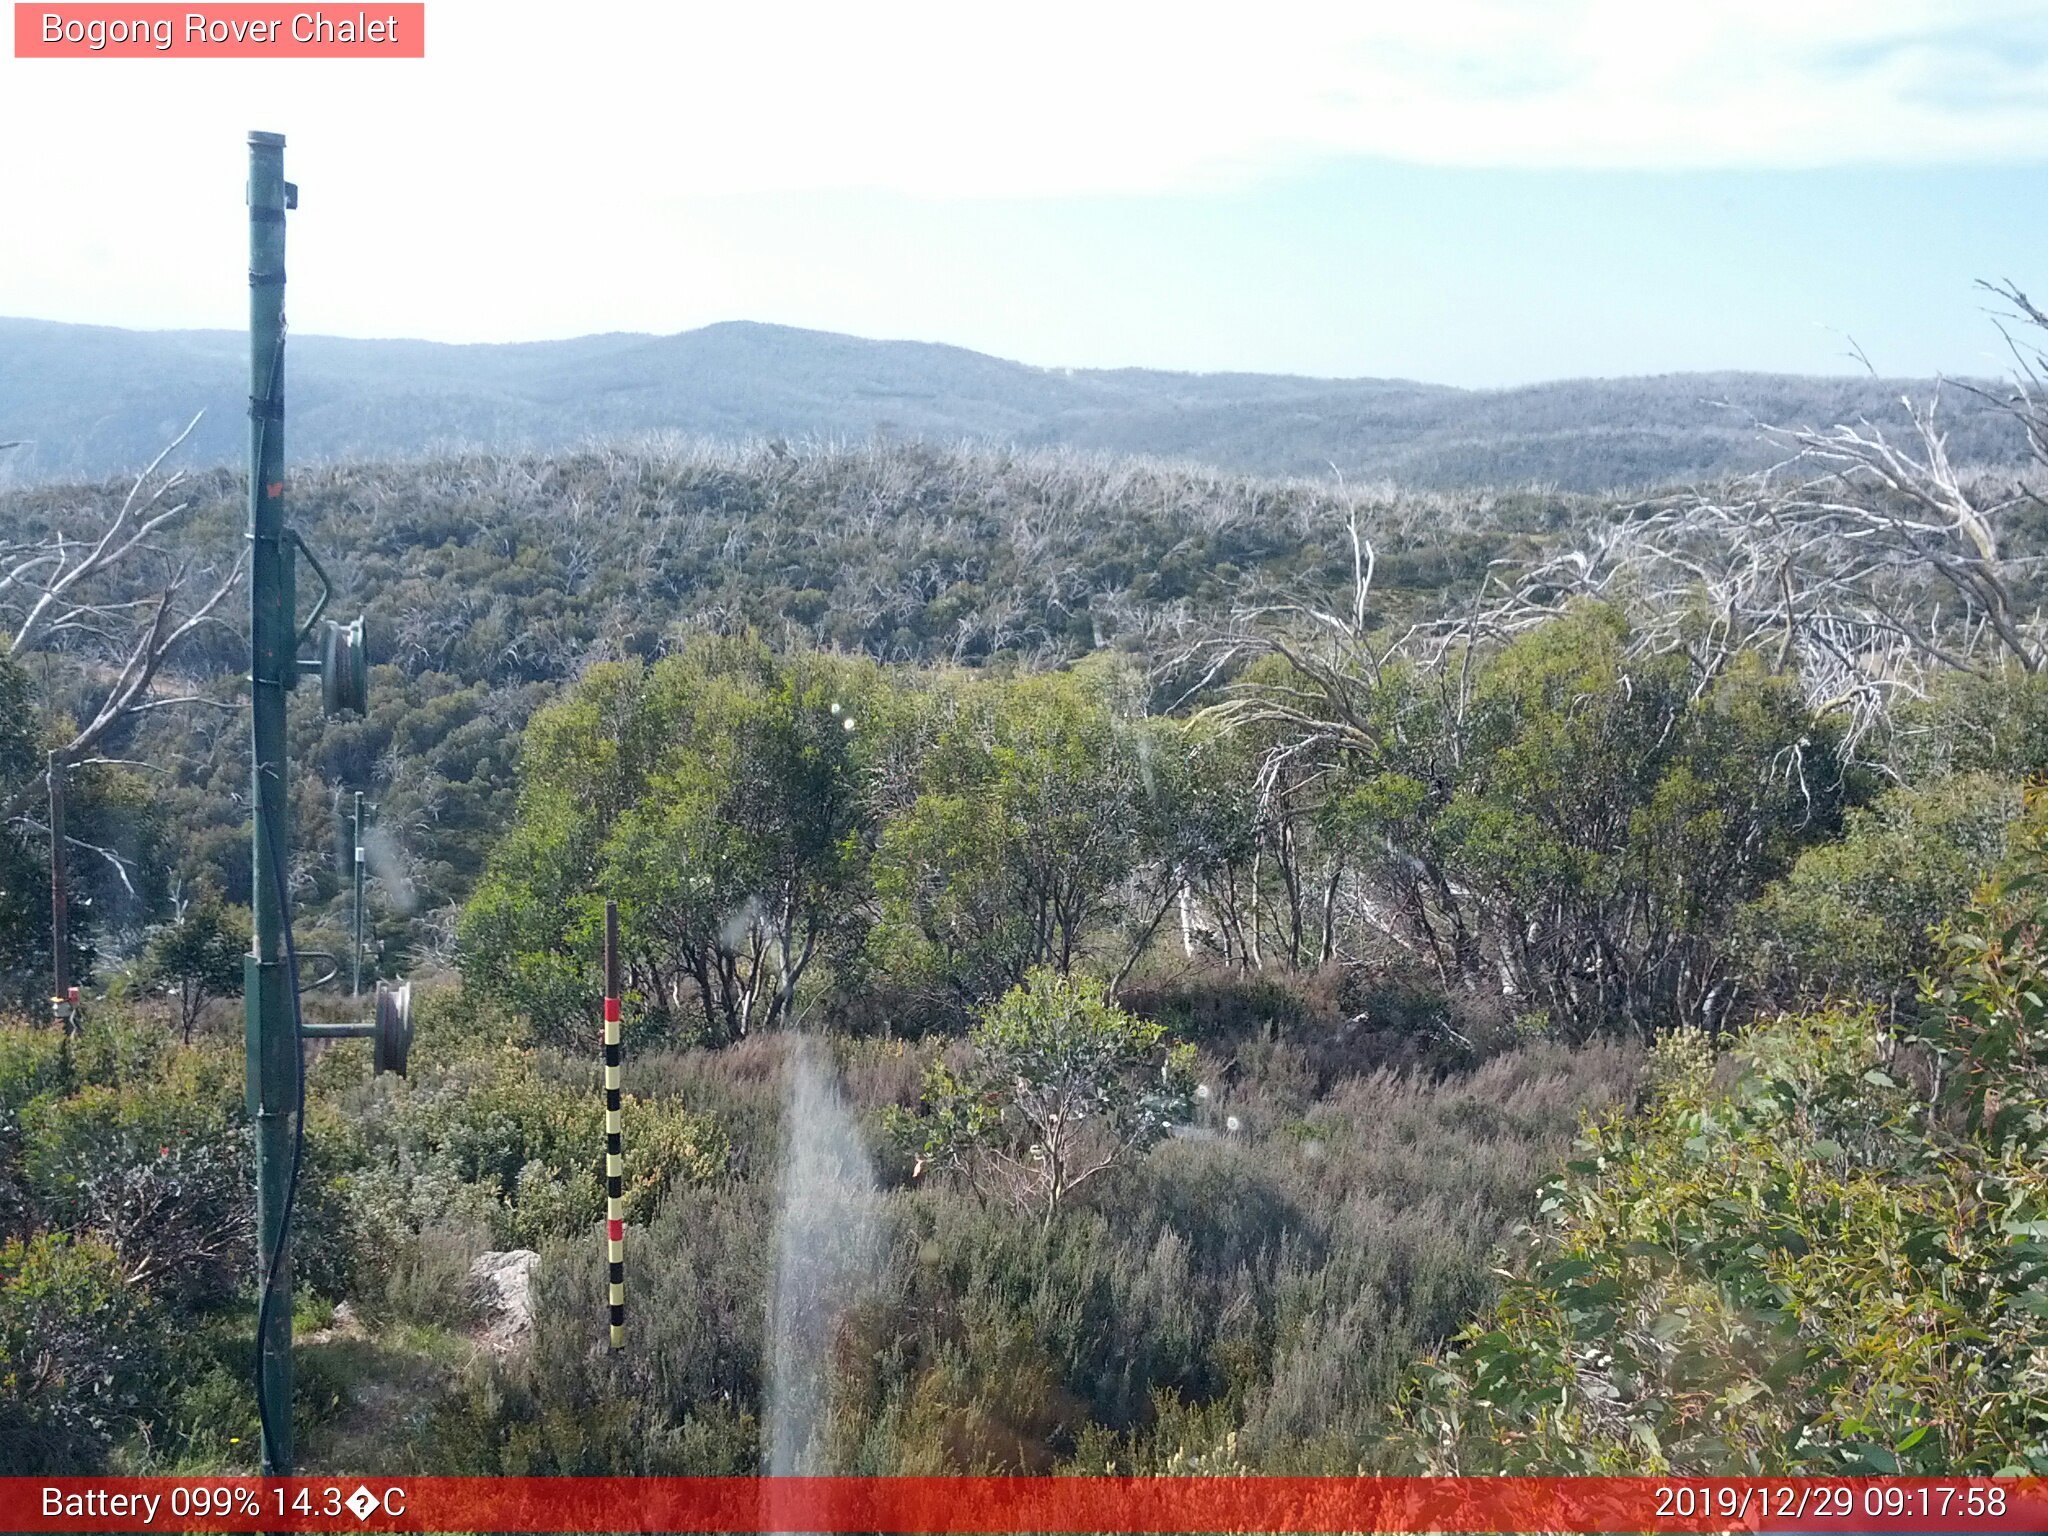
x=273 y=1046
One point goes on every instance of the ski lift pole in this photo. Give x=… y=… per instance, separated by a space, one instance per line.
x=272 y=1035
x=276 y=1037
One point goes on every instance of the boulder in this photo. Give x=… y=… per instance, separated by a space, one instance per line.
x=502 y=1284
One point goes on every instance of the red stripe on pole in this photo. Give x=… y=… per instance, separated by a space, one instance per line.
x=1140 y=1506
x=615 y=1230
x=611 y=1010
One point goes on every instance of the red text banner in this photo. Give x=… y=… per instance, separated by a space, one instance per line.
x=376 y=31
x=1848 y=1506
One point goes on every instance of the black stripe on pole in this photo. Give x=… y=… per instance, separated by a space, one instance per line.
x=618 y=1272
x=618 y=1313
x=611 y=1055
x=611 y=1142
x=615 y=1186
x=611 y=1098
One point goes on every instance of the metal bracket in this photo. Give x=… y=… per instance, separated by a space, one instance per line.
x=389 y=1033
x=318 y=958
x=326 y=589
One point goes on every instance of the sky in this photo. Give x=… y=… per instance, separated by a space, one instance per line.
x=1473 y=192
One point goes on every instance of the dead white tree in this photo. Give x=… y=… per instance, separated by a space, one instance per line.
x=1325 y=717
x=114 y=600
x=2025 y=400
x=1866 y=560
x=1867 y=557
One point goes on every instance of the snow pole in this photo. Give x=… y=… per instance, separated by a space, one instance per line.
x=614 y=1159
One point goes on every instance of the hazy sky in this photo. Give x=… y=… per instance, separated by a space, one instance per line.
x=1452 y=190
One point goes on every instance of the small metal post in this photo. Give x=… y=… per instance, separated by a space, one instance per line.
x=60 y=895
x=355 y=979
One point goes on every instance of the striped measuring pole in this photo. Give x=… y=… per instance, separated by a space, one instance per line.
x=614 y=1158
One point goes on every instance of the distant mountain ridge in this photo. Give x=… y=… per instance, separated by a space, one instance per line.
x=95 y=400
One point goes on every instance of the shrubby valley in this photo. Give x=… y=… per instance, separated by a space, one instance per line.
x=90 y=400
x=1128 y=966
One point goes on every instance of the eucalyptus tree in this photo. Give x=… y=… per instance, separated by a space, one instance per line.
x=720 y=796
x=1027 y=821
x=1529 y=799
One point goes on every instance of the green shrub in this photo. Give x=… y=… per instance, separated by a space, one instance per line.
x=198 y=957
x=1229 y=1298
x=1855 y=919
x=1826 y=1256
x=492 y=1150
x=679 y=1400
x=160 y=1169
x=34 y=1061
x=1062 y=1085
x=83 y=1354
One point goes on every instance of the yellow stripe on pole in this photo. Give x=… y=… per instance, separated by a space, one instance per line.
x=615 y=1251
x=614 y=1166
x=618 y=1337
x=611 y=1122
x=611 y=1077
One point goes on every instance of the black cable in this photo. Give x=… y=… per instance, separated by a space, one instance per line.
x=291 y=1188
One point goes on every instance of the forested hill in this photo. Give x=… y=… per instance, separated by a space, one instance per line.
x=91 y=400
